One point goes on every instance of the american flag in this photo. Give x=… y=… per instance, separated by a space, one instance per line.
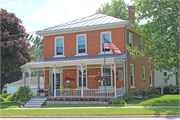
x=109 y=45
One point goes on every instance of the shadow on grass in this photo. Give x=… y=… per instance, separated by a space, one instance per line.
x=11 y=104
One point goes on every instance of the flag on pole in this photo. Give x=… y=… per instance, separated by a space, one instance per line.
x=109 y=45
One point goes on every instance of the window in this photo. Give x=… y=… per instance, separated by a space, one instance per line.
x=80 y=79
x=81 y=44
x=107 y=76
x=132 y=75
x=107 y=36
x=141 y=45
x=59 y=46
x=144 y=77
x=131 y=40
x=150 y=76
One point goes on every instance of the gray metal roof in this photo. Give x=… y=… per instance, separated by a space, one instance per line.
x=120 y=56
x=92 y=20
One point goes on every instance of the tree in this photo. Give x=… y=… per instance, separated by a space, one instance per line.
x=160 y=33
x=37 y=47
x=14 y=48
x=118 y=9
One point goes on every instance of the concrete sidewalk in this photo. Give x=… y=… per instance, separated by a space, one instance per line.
x=98 y=107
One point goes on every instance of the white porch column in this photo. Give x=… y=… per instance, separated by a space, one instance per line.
x=24 y=79
x=44 y=78
x=114 y=68
x=54 y=71
x=124 y=78
x=29 y=78
x=82 y=70
x=38 y=80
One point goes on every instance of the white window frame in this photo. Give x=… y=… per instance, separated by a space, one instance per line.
x=144 y=73
x=131 y=40
x=55 y=54
x=150 y=75
x=102 y=87
x=132 y=86
x=78 y=79
x=81 y=54
x=106 y=52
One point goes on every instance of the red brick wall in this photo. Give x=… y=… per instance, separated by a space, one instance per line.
x=46 y=76
x=93 y=42
x=138 y=63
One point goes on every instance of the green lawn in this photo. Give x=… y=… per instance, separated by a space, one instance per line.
x=92 y=111
x=10 y=104
x=160 y=100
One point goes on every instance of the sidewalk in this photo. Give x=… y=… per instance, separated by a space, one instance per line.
x=98 y=107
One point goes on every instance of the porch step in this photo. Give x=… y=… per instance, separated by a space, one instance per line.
x=35 y=102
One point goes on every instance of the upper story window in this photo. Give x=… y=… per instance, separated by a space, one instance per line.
x=131 y=40
x=59 y=47
x=81 y=44
x=107 y=36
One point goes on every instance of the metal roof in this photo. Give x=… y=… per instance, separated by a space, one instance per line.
x=92 y=20
x=117 y=56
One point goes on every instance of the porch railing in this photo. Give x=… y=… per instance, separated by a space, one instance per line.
x=96 y=93
x=119 y=92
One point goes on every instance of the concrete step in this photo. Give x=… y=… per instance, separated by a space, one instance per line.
x=32 y=106
x=30 y=103
x=38 y=99
x=35 y=102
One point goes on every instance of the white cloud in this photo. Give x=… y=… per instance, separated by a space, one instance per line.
x=20 y=6
x=15 y=4
x=30 y=5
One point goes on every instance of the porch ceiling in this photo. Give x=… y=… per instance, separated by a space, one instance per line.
x=76 y=60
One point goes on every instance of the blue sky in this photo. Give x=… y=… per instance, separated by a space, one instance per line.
x=41 y=14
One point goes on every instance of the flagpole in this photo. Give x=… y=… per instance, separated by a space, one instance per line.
x=104 y=68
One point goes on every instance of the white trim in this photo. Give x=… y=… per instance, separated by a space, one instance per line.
x=144 y=72
x=106 y=52
x=150 y=74
x=131 y=39
x=102 y=66
x=132 y=86
x=81 y=54
x=78 y=78
x=55 y=54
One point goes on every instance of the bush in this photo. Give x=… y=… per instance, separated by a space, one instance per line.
x=23 y=94
x=11 y=97
x=116 y=100
x=171 y=89
x=2 y=99
x=155 y=91
x=135 y=93
x=4 y=95
x=144 y=93
x=5 y=91
x=122 y=101
x=127 y=97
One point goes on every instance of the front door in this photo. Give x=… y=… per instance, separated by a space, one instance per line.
x=57 y=81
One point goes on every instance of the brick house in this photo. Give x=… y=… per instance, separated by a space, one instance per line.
x=75 y=49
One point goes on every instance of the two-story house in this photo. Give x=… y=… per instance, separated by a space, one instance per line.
x=76 y=49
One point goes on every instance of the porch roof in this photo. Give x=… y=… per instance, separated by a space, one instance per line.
x=77 y=59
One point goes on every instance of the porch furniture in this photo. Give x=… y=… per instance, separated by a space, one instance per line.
x=76 y=91
x=61 y=90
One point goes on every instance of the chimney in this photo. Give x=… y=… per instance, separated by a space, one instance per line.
x=131 y=14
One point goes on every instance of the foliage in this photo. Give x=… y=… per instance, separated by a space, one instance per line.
x=10 y=104
x=98 y=78
x=5 y=91
x=127 y=97
x=37 y=48
x=116 y=100
x=144 y=93
x=2 y=99
x=135 y=93
x=4 y=95
x=11 y=97
x=23 y=94
x=122 y=102
x=68 y=79
x=118 y=9
x=171 y=89
x=160 y=34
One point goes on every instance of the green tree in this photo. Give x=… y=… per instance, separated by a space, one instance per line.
x=118 y=9
x=160 y=33
x=37 y=48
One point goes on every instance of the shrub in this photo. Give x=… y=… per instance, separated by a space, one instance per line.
x=4 y=95
x=116 y=100
x=23 y=94
x=144 y=93
x=155 y=91
x=122 y=101
x=5 y=91
x=135 y=93
x=127 y=97
x=171 y=89
x=2 y=99
x=11 y=97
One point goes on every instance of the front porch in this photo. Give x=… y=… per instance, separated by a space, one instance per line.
x=83 y=70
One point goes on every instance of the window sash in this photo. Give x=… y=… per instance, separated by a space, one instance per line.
x=84 y=78
x=107 y=37
x=59 y=46
x=130 y=40
x=131 y=75
x=81 y=44
x=143 y=72
x=107 y=76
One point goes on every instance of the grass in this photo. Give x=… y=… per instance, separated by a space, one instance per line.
x=92 y=111
x=160 y=100
x=10 y=104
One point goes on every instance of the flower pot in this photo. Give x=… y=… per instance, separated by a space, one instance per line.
x=99 y=80
x=68 y=81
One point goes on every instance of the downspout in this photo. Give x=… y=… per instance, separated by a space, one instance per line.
x=126 y=59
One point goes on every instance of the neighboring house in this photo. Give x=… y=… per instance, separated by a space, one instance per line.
x=159 y=79
x=4 y=88
x=13 y=87
x=76 y=49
